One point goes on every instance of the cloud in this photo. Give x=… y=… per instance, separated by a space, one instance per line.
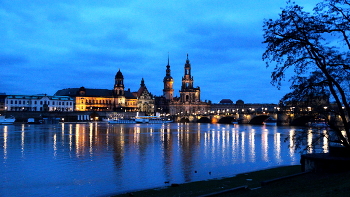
x=48 y=46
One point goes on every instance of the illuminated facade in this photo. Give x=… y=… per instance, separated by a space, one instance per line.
x=40 y=102
x=145 y=100
x=168 y=82
x=189 y=102
x=117 y=99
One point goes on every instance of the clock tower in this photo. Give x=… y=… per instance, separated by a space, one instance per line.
x=168 y=81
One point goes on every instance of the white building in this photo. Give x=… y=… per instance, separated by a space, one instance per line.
x=40 y=102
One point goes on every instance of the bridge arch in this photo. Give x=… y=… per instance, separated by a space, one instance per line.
x=184 y=120
x=258 y=120
x=204 y=120
x=302 y=120
x=226 y=120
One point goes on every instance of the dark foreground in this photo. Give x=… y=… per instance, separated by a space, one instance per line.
x=309 y=184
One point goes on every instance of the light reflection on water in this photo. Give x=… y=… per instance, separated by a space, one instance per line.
x=100 y=159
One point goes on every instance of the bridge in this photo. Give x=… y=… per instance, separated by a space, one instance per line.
x=282 y=117
x=291 y=117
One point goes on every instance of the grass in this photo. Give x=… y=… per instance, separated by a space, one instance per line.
x=252 y=180
x=310 y=184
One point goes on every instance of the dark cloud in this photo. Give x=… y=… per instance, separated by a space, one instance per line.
x=12 y=59
x=48 y=46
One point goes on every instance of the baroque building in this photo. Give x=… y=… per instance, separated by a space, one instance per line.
x=189 y=102
x=145 y=100
x=117 y=99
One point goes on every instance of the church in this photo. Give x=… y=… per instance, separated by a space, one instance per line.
x=119 y=99
x=189 y=102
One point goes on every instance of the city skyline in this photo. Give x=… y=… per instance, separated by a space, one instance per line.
x=55 y=45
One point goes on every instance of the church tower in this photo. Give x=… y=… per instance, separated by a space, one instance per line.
x=168 y=81
x=119 y=94
x=187 y=92
x=119 y=84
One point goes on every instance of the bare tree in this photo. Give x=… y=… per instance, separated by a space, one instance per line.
x=316 y=46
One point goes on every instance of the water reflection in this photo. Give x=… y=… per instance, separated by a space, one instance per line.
x=99 y=159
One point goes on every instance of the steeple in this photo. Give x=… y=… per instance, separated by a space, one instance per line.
x=142 y=82
x=188 y=67
x=119 y=84
x=168 y=81
x=187 y=79
x=168 y=60
x=188 y=93
x=168 y=68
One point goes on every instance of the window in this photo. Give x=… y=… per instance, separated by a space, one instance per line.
x=15 y=102
x=35 y=102
x=19 y=102
x=53 y=102
x=11 y=101
x=41 y=102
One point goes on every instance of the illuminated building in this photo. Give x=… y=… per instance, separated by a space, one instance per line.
x=40 y=102
x=117 y=99
x=145 y=100
x=189 y=102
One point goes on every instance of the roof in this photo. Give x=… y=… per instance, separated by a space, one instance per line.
x=139 y=92
x=226 y=101
x=39 y=96
x=129 y=95
x=92 y=93
x=88 y=92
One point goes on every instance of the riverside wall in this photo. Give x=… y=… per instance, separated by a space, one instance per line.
x=23 y=116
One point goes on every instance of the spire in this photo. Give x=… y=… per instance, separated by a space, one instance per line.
x=142 y=82
x=168 y=59
x=119 y=75
x=168 y=67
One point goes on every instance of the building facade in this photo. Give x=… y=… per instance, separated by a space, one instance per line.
x=189 y=102
x=145 y=99
x=228 y=107
x=2 y=101
x=38 y=103
x=117 y=99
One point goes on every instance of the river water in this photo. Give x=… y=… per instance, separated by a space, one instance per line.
x=99 y=159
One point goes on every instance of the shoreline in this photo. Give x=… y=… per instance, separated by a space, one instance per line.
x=217 y=185
x=286 y=180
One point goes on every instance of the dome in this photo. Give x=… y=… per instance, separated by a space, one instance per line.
x=82 y=88
x=239 y=102
x=119 y=74
x=168 y=78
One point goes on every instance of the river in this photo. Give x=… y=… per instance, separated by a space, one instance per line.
x=99 y=159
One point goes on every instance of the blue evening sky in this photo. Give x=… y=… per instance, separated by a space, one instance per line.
x=52 y=45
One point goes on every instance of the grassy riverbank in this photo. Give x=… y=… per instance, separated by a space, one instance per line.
x=311 y=184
